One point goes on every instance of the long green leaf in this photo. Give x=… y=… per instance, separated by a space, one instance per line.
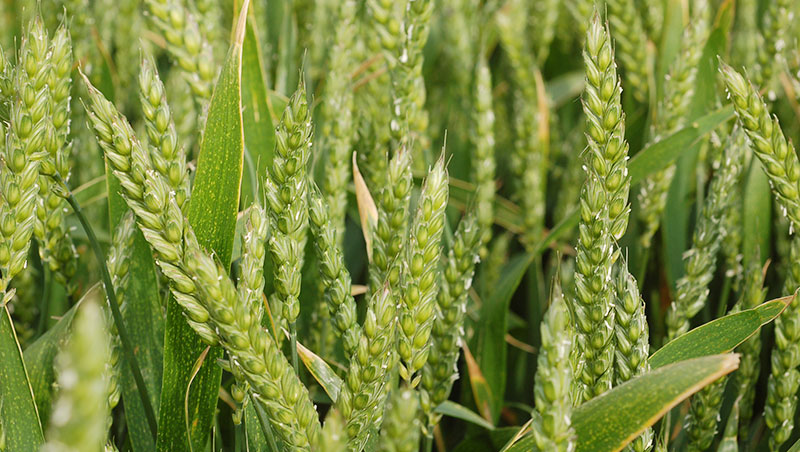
x=719 y=336
x=212 y=213
x=610 y=421
x=659 y=155
x=144 y=322
x=259 y=133
x=492 y=351
x=18 y=412
x=452 y=409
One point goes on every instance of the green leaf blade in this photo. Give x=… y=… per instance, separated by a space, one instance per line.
x=612 y=420
x=19 y=415
x=492 y=351
x=259 y=132
x=452 y=409
x=719 y=336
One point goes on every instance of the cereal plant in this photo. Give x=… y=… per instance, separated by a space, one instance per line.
x=399 y=225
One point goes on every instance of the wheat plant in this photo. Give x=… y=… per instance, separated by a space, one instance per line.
x=376 y=225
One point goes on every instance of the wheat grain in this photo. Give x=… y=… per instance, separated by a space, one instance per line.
x=784 y=379
x=777 y=157
x=653 y=13
x=544 y=17
x=56 y=246
x=334 y=438
x=704 y=414
x=186 y=44
x=672 y=112
x=338 y=119
x=632 y=341
x=421 y=273
x=118 y=263
x=409 y=121
x=631 y=49
x=391 y=231
x=746 y=377
x=250 y=286
x=529 y=160
x=401 y=428
x=23 y=306
x=771 y=54
x=483 y=154
x=335 y=277
x=286 y=193
x=168 y=157
x=447 y=334
x=361 y=400
x=604 y=213
x=553 y=382
x=22 y=152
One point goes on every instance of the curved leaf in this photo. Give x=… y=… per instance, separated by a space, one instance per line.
x=452 y=409
x=610 y=421
x=719 y=336
x=321 y=372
